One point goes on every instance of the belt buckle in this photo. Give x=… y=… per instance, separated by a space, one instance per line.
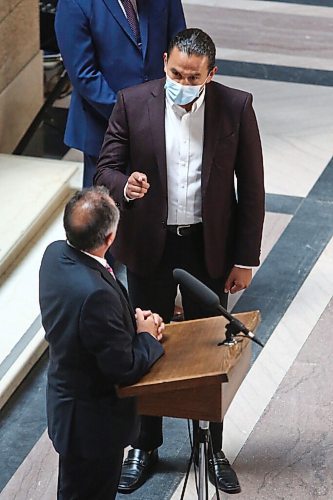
x=181 y=227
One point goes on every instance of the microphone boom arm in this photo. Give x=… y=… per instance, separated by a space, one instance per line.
x=235 y=327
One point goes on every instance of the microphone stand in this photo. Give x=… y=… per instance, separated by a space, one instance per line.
x=203 y=459
x=205 y=448
x=233 y=328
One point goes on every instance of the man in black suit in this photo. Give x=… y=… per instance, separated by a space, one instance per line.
x=170 y=157
x=96 y=342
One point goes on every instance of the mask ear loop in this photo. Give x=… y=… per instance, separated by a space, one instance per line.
x=203 y=85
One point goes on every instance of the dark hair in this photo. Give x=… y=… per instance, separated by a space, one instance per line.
x=194 y=41
x=89 y=217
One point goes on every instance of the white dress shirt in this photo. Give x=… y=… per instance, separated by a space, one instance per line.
x=184 y=136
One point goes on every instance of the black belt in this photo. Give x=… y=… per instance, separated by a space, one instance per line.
x=185 y=229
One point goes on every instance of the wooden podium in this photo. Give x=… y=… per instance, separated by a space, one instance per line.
x=195 y=378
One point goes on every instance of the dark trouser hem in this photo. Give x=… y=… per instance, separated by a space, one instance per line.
x=86 y=479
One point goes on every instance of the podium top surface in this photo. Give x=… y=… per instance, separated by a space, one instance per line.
x=192 y=356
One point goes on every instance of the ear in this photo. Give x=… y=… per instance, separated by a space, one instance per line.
x=165 y=60
x=211 y=74
x=110 y=239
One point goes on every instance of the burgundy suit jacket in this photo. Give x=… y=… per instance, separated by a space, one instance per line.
x=232 y=214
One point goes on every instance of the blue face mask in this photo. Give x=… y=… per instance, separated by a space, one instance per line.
x=181 y=94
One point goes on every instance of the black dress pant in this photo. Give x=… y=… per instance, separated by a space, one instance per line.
x=158 y=292
x=89 y=479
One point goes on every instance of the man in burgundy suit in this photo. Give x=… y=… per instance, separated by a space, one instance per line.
x=170 y=157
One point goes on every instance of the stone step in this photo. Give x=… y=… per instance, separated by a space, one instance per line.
x=33 y=192
x=31 y=189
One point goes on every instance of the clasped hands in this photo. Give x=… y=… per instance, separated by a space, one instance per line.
x=147 y=321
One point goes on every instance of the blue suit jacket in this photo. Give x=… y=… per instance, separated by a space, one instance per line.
x=101 y=56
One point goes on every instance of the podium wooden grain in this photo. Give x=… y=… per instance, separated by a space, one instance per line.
x=195 y=378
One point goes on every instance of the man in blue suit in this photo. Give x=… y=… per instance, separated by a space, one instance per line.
x=107 y=46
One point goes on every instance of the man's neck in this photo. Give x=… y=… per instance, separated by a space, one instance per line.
x=188 y=107
x=98 y=252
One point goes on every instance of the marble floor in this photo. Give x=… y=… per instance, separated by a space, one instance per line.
x=278 y=429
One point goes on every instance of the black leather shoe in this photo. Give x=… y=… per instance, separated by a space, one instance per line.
x=136 y=469
x=225 y=475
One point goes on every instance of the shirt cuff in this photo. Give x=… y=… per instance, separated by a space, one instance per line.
x=243 y=267
x=126 y=197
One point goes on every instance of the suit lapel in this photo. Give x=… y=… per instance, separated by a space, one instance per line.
x=124 y=292
x=114 y=283
x=76 y=255
x=143 y=11
x=115 y=9
x=120 y=289
x=156 y=111
x=212 y=130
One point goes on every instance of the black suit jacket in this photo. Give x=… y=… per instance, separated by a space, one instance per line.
x=232 y=216
x=91 y=331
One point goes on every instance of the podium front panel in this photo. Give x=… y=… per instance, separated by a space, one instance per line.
x=206 y=402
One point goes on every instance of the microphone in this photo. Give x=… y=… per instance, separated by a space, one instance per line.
x=210 y=300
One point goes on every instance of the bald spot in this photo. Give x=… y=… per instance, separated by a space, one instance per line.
x=83 y=212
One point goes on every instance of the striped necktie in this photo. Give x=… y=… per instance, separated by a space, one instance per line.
x=132 y=19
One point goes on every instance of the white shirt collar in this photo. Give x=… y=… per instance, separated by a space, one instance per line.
x=99 y=259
